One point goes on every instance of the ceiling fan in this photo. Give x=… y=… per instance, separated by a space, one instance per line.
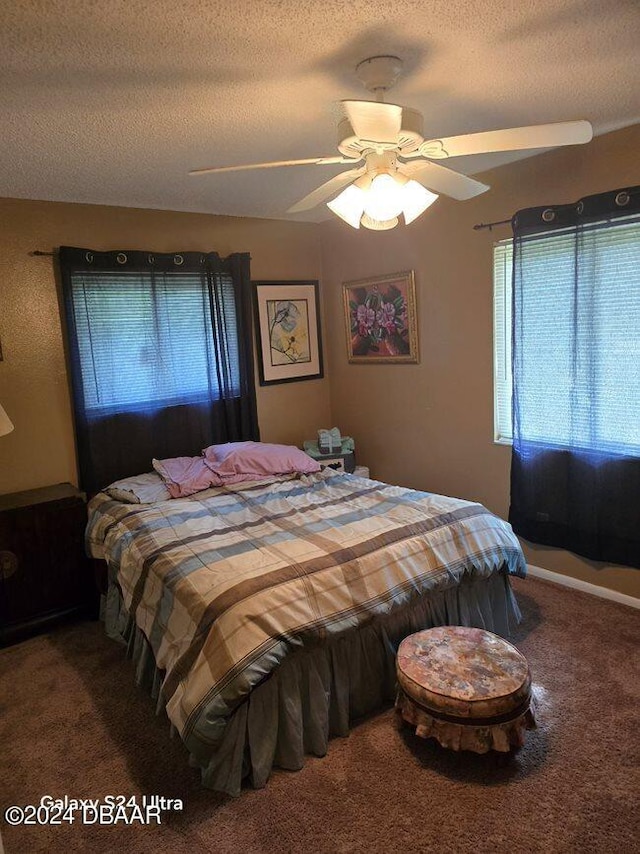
x=398 y=176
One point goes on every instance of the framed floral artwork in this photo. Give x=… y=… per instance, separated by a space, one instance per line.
x=287 y=316
x=380 y=318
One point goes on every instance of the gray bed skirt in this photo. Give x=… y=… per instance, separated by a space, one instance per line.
x=315 y=693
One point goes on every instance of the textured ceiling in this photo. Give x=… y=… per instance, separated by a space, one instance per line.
x=113 y=102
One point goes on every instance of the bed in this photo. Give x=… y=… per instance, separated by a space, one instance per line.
x=264 y=616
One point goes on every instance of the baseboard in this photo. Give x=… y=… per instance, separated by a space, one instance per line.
x=583 y=586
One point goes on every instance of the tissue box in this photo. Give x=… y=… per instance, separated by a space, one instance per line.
x=343 y=460
x=339 y=462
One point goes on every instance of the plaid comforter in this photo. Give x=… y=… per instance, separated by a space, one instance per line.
x=225 y=583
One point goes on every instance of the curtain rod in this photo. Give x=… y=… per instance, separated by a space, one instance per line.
x=490 y=225
x=478 y=227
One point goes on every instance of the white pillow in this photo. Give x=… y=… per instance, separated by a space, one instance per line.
x=140 y=489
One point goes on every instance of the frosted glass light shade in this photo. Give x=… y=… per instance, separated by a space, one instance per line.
x=384 y=199
x=349 y=205
x=5 y=422
x=416 y=199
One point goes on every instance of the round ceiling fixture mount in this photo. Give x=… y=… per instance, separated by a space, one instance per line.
x=379 y=73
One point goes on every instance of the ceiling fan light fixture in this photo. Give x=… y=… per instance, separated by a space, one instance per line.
x=376 y=201
x=349 y=205
x=416 y=199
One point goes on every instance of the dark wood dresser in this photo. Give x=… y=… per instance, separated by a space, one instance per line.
x=44 y=573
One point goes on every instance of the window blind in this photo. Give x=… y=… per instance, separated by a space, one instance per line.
x=145 y=341
x=579 y=347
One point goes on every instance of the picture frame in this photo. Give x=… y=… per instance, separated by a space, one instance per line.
x=381 y=320
x=287 y=319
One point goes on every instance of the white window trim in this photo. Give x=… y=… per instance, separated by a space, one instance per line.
x=502 y=382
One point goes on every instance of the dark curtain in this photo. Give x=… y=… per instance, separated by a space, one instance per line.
x=575 y=471
x=161 y=356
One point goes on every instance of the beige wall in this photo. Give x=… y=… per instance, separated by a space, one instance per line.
x=430 y=425
x=33 y=378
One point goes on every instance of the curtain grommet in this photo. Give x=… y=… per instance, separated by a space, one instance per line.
x=622 y=199
x=549 y=215
x=151 y=259
x=178 y=260
x=88 y=257
x=580 y=207
x=121 y=258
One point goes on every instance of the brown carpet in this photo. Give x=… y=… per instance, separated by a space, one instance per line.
x=73 y=723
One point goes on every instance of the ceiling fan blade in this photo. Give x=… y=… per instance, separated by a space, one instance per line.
x=324 y=191
x=374 y=121
x=512 y=139
x=440 y=179
x=310 y=161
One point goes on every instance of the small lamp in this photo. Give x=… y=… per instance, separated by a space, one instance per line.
x=5 y=423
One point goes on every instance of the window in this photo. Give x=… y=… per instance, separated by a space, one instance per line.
x=160 y=356
x=146 y=341
x=581 y=381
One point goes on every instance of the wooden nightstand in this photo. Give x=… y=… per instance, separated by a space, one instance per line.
x=44 y=573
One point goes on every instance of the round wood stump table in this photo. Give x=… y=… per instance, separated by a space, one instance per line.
x=467 y=688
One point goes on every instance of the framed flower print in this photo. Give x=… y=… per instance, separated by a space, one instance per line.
x=380 y=319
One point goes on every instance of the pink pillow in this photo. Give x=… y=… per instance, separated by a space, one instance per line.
x=218 y=453
x=185 y=475
x=258 y=459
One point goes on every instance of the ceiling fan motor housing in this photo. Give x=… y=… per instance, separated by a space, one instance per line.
x=409 y=139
